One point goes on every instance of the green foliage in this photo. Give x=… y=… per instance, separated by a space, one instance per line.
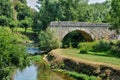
x=22 y=10
x=61 y=10
x=4 y=21
x=87 y=45
x=102 y=46
x=47 y=13
x=12 y=54
x=115 y=50
x=23 y=1
x=83 y=51
x=81 y=76
x=27 y=22
x=48 y=40
x=69 y=10
x=115 y=15
x=37 y=58
x=12 y=24
x=6 y=8
x=98 y=12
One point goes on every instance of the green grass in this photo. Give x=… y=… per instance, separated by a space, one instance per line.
x=36 y=58
x=16 y=37
x=29 y=30
x=77 y=76
x=99 y=57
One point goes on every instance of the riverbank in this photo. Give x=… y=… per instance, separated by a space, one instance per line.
x=44 y=70
x=59 y=58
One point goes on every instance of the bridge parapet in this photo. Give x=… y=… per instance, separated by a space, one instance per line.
x=77 y=24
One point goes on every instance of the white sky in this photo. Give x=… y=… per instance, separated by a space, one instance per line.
x=32 y=3
x=96 y=1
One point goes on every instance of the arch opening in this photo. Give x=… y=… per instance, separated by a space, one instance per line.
x=73 y=38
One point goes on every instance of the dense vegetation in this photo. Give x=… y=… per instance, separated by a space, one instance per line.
x=115 y=15
x=48 y=40
x=109 y=47
x=12 y=53
x=70 y=10
x=15 y=13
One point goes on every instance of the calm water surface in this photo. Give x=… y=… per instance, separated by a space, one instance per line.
x=39 y=71
x=29 y=73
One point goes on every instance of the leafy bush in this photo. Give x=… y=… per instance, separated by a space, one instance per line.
x=48 y=40
x=102 y=46
x=115 y=50
x=88 y=46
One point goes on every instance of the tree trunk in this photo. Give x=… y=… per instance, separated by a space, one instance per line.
x=25 y=30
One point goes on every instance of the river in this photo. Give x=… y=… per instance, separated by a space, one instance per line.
x=38 y=71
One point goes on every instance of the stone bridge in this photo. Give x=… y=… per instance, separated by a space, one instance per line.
x=90 y=31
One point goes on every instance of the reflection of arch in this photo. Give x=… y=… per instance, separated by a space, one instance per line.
x=74 y=37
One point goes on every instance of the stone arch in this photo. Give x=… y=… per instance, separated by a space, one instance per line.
x=74 y=37
x=85 y=34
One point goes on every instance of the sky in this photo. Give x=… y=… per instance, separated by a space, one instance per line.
x=32 y=3
x=96 y=1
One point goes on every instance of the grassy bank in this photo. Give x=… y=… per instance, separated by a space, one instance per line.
x=92 y=57
x=94 y=63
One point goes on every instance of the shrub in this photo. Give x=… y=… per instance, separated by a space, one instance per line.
x=115 y=50
x=88 y=46
x=48 y=40
x=102 y=46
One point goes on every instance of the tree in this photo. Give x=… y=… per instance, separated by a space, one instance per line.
x=23 y=11
x=12 y=54
x=115 y=15
x=27 y=22
x=6 y=8
x=69 y=9
x=48 y=40
x=98 y=12
x=61 y=10
x=23 y=1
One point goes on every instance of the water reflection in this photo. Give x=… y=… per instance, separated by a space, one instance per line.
x=39 y=72
x=33 y=50
x=29 y=73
